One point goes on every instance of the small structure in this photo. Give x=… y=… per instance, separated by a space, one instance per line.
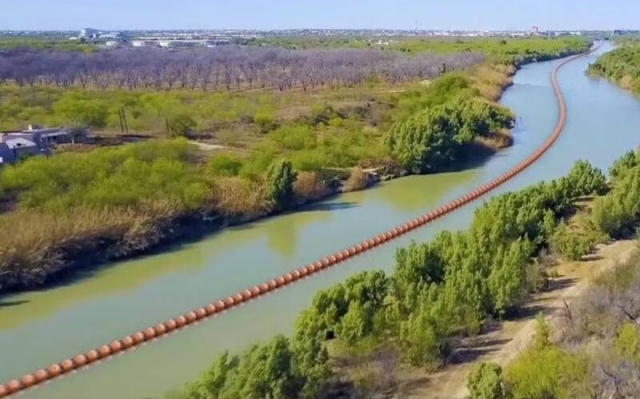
x=16 y=145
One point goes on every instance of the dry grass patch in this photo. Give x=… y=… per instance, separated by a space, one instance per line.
x=358 y=180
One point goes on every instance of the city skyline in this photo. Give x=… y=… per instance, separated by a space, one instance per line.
x=314 y=14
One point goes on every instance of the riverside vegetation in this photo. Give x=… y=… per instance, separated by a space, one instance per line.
x=594 y=352
x=77 y=208
x=622 y=65
x=352 y=339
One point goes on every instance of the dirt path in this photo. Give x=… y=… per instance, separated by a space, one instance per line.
x=504 y=341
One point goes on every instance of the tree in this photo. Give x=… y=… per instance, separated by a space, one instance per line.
x=280 y=180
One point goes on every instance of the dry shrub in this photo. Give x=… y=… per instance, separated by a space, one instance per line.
x=37 y=244
x=626 y=82
x=497 y=140
x=490 y=81
x=236 y=197
x=309 y=187
x=358 y=180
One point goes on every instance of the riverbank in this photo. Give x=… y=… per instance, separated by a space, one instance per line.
x=74 y=218
x=620 y=66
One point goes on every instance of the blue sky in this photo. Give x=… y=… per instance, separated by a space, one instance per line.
x=274 y=14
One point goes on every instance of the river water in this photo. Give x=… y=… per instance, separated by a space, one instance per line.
x=42 y=327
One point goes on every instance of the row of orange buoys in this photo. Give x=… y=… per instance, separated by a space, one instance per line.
x=161 y=329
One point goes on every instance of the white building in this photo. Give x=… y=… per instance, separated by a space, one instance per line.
x=89 y=33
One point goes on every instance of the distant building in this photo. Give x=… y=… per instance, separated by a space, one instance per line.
x=112 y=43
x=15 y=145
x=89 y=33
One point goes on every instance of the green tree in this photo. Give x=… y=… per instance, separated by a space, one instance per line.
x=280 y=179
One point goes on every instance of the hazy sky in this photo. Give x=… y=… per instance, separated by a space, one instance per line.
x=274 y=14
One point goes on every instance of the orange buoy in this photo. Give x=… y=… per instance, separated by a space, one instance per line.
x=190 y=316
x=279 y=281
x=311 y=269
x=115 y=346
x=104 y=351
x=359 y=248
x=317 y=264
x=211 y=309
x=255 y=291
x=127 y=342
x=352 y=251
x=238 y=298
x=171 y=324
x=149 y=334
x=201 y=313
x=92 y=356
x=158 y=329
x=67 y=365
x=326 y=262
x=80 y=360
x=339 y=256
x=220 y=306
x=333 y=259
x=4 y=391
x=229 y=302
x=181 y=321
x=54 y=370
x=138 y=337
x=27 y=380
x=288 y=278
x=303 y=271
x=13 y=386
x=272 y=285
x=377 y=240
x=40 y=376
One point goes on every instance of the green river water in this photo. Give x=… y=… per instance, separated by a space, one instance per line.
x=42 y=327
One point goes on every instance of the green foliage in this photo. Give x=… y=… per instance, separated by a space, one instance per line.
x=433 y=138
x=622 y=65
x=587 y=179
x=572 y=244
x=181 y=125
x=224 y=165
x=485 y=382
x=548 y=373
x=618 y=213
x=109 y=177
x=280 y=179
x=626 y=344
x=271 y=370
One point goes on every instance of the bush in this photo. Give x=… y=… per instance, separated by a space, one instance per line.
x=224 y=165
x=485 y=382
x=358 y=180
x=571 y=244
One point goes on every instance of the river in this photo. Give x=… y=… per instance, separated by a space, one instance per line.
x=42 y=327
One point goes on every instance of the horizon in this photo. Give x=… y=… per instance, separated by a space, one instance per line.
x=462 y=15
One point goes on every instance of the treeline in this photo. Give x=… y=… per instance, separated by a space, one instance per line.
x=223 y=68
x=507 y=50
x=438 y=293
x=621 y=65
x=594 y=350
